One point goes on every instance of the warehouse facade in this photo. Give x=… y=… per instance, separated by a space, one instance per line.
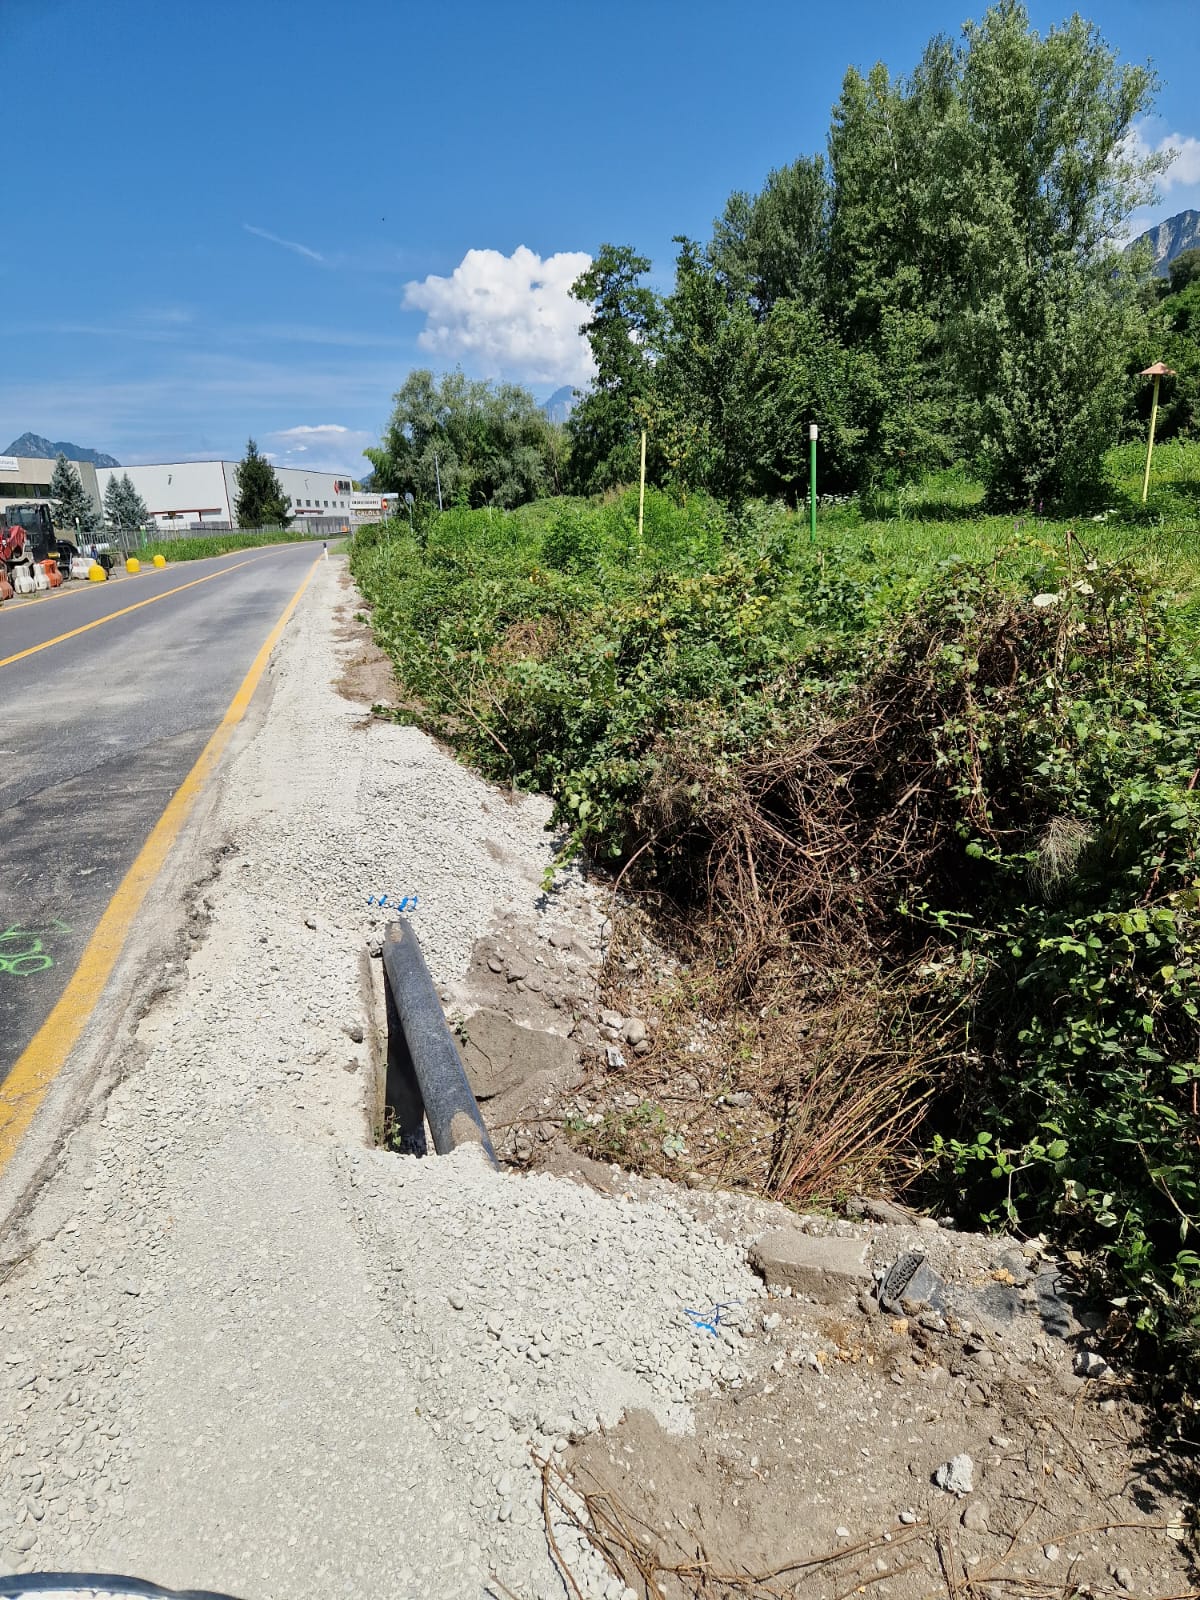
x=201 y=496
x=26 y=478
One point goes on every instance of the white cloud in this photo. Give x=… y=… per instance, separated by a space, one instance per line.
x=508 y=316
x=288 y=244
x=323 y=447
x=1185 y=165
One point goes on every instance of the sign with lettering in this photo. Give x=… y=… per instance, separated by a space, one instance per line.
x=9 y=464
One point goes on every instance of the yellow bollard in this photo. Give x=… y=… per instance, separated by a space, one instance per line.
x=160 y=561
x=96 y=573
x=133 y=565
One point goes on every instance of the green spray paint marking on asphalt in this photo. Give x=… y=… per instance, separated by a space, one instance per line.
x=22 y=952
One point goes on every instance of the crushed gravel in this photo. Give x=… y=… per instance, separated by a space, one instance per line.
x=261 y=1355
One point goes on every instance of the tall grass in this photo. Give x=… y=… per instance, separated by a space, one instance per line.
x=218 y=544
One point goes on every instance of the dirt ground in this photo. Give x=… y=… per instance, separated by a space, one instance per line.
x=817 y=1476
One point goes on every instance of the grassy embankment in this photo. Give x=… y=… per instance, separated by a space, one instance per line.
x=919 y=808
x=218 y=544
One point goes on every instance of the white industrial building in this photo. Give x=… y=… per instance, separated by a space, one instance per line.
x=195 y=496
x=25 y=478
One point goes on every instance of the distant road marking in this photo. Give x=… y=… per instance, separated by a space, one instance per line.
x=7 y=661
x=148 y=571
x=35 y=1069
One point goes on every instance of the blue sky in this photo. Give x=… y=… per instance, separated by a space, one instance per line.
x=235 y=217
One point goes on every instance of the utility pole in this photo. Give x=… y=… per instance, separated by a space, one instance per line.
x=438 y=474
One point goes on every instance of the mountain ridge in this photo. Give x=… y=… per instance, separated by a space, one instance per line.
x=33 y=445
x=1170 y=238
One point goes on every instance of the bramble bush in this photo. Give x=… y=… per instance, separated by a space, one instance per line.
x=968 y=781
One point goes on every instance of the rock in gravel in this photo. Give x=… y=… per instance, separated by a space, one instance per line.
x=1088 y=1364
x=614 y=1059
x=354 y=1031
x=1124 y=1577
x=956 y=1476
x=975 y=1517
x=634 y=1030
x=495 y=964
x=612 y=1019
x=828 y=1270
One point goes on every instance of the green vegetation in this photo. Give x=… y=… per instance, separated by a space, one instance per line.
x=940 y=288
x=219 y=544
x=124 y=509
x=261 y=502
x=462 y=443
x=74 y=510
x=919 y=805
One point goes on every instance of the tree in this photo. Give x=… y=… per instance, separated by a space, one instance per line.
x=137 y=509
x=74 y=509
x=261 y=502
x=623 y=330
x=124 y=509
x=772 y=246
x=1037 y=169
x=706 y=392
x=486 y=444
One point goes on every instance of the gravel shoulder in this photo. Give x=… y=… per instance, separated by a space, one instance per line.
x=247 y=1349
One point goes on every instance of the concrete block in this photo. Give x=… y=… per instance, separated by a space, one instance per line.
x=828 y=1270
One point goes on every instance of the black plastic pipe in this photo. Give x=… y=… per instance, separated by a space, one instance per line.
x=424 y=1066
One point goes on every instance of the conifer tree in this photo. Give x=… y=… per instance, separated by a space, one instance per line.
x=261 y=502
x=74 y=510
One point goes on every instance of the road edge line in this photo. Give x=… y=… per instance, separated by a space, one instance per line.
x=97 y=622
x=38 y=1065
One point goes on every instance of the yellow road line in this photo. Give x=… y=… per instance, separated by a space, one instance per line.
x=80 y=587
x=147 y=571
x=23 y=1091
x=7 y=661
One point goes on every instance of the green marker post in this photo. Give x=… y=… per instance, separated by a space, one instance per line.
x=812 y=483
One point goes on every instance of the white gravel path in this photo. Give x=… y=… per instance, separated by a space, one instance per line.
x=263 y=1356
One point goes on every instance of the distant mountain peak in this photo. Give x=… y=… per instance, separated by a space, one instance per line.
x=39 y=449
x=561 y=403
x=1171 y=238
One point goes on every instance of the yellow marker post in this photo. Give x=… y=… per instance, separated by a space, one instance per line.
x=160 y=561
x=133 y=565
x=1158 y=372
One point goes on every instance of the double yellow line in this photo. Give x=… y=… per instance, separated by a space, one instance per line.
x=26 y=1085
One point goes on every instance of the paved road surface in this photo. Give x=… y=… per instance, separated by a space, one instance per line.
x=97 y=731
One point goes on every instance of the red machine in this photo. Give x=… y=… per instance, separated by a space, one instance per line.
x=27 y=537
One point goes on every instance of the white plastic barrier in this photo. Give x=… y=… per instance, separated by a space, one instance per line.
x=23 y=581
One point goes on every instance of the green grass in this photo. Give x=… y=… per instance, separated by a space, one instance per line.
x=217 y=544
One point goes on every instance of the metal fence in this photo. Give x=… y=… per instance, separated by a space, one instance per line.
x=313 y=528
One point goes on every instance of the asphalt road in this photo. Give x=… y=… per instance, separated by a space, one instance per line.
x=97 y=731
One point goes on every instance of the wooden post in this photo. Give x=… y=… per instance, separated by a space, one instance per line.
x=642 y=490
x=1158 y=372
x=1150 y=442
